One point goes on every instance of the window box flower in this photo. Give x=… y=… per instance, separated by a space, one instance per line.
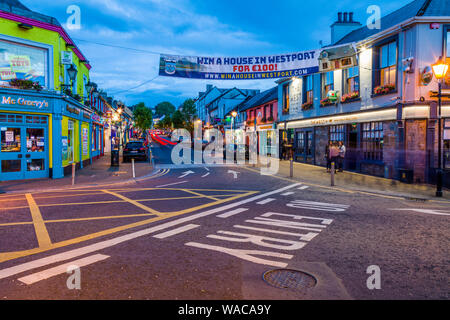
x=326 y=102
x=270 y=119
x=25 y=84
x=350 y=97
x=382 y=90
x=307 y=106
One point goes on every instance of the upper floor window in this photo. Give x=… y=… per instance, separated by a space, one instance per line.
x=351 y=84
x=309 y=95
x=388 y=63
x=286 y=98
x=328 y=83
x=20 y=61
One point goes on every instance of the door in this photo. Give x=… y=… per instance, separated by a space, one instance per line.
x=351 y=148
x=24 y=149
x=11 y=152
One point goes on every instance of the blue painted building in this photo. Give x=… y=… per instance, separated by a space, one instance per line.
x=386 y=113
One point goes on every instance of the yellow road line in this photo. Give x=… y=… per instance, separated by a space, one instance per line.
x=133 y=202
x=39 y=224
x=201 y=195
x=18 y=254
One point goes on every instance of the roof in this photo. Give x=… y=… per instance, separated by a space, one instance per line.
x=412 y=9
x=225 y=91
x=259 y=99
x=16 y=7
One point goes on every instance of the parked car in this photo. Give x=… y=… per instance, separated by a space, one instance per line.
x=136 y=150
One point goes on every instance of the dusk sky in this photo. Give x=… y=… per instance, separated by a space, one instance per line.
x=193 y=27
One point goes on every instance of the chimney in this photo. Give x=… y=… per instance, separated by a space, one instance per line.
x=343 y=26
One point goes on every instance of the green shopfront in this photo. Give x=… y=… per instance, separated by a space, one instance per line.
x=34 y=134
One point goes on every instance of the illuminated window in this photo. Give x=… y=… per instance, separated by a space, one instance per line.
x=351 y=80
x=388 y=63
x=328 y=83
x=286 y=98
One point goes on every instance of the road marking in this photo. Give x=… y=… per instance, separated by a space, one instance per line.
x=39 y=225
x=171 y=184
x=303 y=188
x=266 y=201
x=232 y=213
x=288 y=193
x=115 y=241
x=201 y=195
x=427 y=211
x=205 y=175
x=305 y=237
x=186 y=174
x=176 y=231
x=234 y=173
x=133 y=202
x=49 y=273
x=310 y=205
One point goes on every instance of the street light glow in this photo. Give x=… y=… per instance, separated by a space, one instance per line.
x=440 y=69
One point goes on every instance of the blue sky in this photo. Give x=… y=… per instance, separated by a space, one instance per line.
x=194 y=27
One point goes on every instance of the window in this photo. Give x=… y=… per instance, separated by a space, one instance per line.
x=308 y=97
x=19 y=61
x=35 y=140
x=286 y=98
x=388 y=63
x=351 y=84
x=337 y=133
x=328 y=83
x=372 y=141
x=10 y=139
x=301 y=142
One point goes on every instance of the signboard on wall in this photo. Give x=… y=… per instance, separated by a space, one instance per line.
x=66 y=57
x=85 y=141
x=65 y=146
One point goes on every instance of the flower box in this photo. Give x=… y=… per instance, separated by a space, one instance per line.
x=25 y=84
x=307 y=106
x=326 y=102
x=382 y=90
x=350 y=97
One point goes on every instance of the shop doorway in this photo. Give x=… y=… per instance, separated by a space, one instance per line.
x=24 y=147
x=352 y=147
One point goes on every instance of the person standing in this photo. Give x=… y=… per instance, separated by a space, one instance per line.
x=327 y=155
x=341 y=158
x=334 y=155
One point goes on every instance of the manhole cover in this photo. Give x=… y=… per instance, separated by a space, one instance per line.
x=289 y=279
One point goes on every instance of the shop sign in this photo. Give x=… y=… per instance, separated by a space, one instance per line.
x=96 y=118
x=65 y=146
x=86 y=116
x=72 y=110
x=7 y=74
x=85 y=141
x=66 y=57
x=20 y=64
x=9 y=136
x=25 y=102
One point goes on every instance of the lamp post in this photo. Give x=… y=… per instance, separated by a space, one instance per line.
x=440 y=69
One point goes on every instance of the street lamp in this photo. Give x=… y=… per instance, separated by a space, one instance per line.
x=440 y=69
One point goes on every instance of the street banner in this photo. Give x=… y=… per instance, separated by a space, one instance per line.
x=296 y=64
x=240 y=68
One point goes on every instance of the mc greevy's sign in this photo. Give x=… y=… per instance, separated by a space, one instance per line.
x=25 y=102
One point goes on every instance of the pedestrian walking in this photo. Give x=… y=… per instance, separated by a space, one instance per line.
x=341 y=157
x=327 y=155
x=334 y=154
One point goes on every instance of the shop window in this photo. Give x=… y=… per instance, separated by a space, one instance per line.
x=337 y=133
x=21 y=61
x=301 y=143
x=36 y=165
x=35 y=140
x=351 y=84
x=327 y=83
x=286 y=98
x=71 y=142
x=11 y=118
x=11 y=166
x=10 y=139
x=372 y=141
x=36 y=120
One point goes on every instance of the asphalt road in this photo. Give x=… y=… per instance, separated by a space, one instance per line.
x=204 y=233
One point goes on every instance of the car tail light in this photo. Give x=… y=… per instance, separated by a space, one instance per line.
x=142 y=149
x=126 y=149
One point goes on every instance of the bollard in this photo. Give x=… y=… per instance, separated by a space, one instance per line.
x=332 y=173
x=132 y=164
x=73 y=173
x=292 y=168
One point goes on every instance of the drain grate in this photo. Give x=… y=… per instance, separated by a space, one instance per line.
x=289 y=279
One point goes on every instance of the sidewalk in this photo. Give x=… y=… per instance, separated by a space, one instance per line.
x=98 y=173
x=360 y=182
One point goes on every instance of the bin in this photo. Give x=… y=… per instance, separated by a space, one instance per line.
x=115 y=158
x=406 y=175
